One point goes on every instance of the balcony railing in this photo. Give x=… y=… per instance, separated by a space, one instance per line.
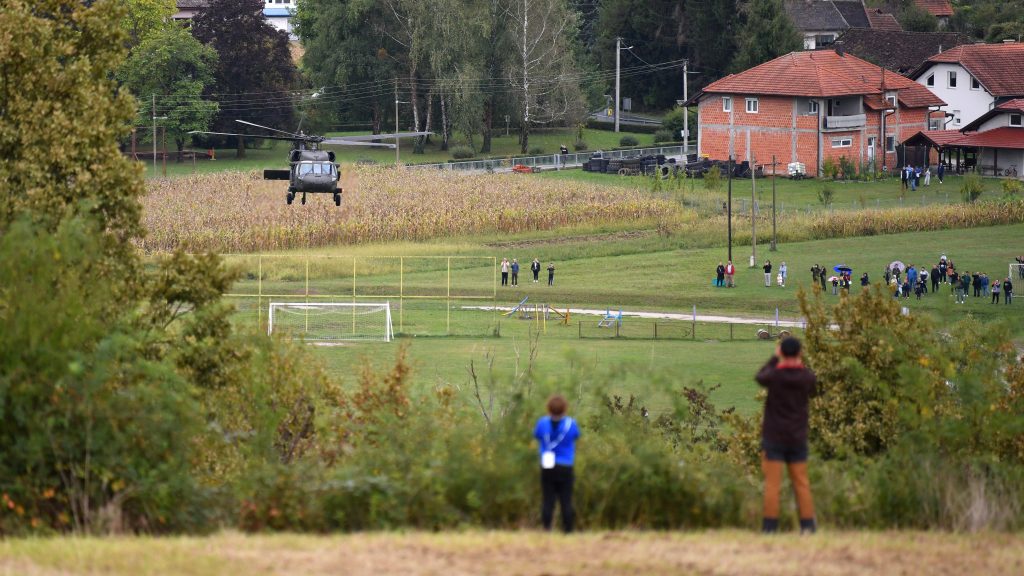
x=842 y=122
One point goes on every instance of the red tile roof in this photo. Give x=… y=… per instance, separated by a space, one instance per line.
x=999 y=67
x=1016 y=105
x=883 y=21
x=823 y=74
x=1004 y=137
x=937 y=8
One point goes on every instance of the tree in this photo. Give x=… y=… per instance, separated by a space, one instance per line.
x=61 y=116
x=766 y=33
x=254 y=57
x=143 y=17
x=543 y=72
x=177 y=68
x=711 y=32
x=913 y=18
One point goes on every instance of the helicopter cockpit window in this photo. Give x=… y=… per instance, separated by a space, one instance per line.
x=305 y=168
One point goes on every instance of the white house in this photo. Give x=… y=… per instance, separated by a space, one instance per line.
x=279 y=14
x=993 y=144
x=973 y=79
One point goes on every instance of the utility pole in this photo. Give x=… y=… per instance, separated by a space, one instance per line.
x=154 y=134
x=618 y=59
x=396 y=123
x=753 y=211
x=728 y=214
x=774 y=176
x=686 y=111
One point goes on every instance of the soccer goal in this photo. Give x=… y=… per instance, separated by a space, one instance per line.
x=332 y=321
x=1016 y=271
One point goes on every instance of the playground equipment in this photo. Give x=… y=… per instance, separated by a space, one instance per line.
x=610 y=319
x=539 y=313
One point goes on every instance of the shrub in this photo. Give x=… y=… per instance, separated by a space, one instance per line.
x=847 y=168
x=1012 y=188
x=971 y=187
x=662 y=136
x=713 y=178
x=462 y=152
x=629 y=141
x=826 y=194
x=673 y=123
x=829 y=169
x=535 y=151
x=579 y=145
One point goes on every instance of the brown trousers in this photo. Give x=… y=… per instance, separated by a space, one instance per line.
x=773 y=482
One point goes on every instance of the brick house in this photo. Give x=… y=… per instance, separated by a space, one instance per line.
x=811 y=106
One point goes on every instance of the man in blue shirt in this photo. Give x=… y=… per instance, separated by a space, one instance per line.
x=556 y=434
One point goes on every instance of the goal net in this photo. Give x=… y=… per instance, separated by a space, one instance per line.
x=331 y=321
x=1016 y=271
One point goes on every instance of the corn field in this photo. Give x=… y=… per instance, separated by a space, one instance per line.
x=240 y=212
x=917 y=219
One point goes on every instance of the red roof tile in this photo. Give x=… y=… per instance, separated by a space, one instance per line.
x=823 y=74
x=1016 y=105
x=1004 y=137
x=937 y=8
x=883 y=21
x=999 y=67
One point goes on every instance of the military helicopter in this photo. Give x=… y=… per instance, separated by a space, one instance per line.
x=312 y=170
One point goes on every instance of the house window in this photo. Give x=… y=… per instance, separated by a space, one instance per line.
x=975 y=85
x=825 y=39
x=1015 y=120
x=890 y=143
x=751 y=105
x=930 y=81
x=726 y=103
x=891 y=99
x=956 y=117
x=951 y=81
x=842 y=142
x=812 y=106
x=935 y=123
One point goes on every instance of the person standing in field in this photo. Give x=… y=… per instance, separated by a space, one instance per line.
x=940 y=171
x=815 y=270
x=535 y=268
x=783 y=273
x=730 y=275
x=934 y=276
x=928 y=176
x=515 y=272
x=790 y=387
x=504 y=271
x=767 y=273
x=1007 y=290
x=551 y=274
x=821 y=278
x=720 y=275
x=556 y=435
x=996 y=289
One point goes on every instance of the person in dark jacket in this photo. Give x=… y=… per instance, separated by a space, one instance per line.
x=767 y=273
x=934 y=276
x=720 y=275
x=864 y=281
x=535 y=268
x=1007 y=290
x=551 y=274
x=815 y=270
x=556 y=435
x=822 y=278
x=790 y=387
x=976 y=284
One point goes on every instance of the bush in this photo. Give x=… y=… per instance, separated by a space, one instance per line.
x=1012 y=189
x=847 y=168
x=971 y=188
x=535 y=151
x=826 y=194
x=672 y=123
x=713 y=178
x=662 y=136
x=579 y=145
x=629 y=141
x=462 y=152
x=829 y=169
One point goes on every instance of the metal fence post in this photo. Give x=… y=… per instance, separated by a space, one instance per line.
x=693 y=326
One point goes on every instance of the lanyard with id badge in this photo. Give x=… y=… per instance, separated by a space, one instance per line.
x=547 y=457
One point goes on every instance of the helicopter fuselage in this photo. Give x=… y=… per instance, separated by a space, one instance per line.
x=310 y=172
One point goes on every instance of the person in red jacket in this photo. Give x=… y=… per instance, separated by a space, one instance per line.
x=790 y=387
x=730 y=272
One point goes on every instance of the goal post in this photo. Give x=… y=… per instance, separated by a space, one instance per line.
x=332 y=321
x=1016 y=271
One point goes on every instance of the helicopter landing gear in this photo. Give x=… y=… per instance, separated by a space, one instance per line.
x=337 y=199
x=303 y=198
x=290 y=198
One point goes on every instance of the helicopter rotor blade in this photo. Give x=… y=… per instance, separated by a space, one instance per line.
x=365 y=137
x=245 y=135
x=345 y=142
x=294 y=136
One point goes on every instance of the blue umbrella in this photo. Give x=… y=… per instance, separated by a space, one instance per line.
x=842 y=268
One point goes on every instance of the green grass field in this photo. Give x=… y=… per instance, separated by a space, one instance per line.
x=635 y=273
x=274 y=154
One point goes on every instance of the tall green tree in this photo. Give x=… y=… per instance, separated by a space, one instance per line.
x=177 y=68
x=61 y=116
x=254 y=58
x=711 y=34
x=143 y=17
x=766 y=33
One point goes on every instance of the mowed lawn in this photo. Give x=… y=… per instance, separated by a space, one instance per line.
x=636 y=274
x=473 y=553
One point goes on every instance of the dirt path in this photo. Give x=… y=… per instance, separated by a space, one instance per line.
x=663 y=316
x=718 y=553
